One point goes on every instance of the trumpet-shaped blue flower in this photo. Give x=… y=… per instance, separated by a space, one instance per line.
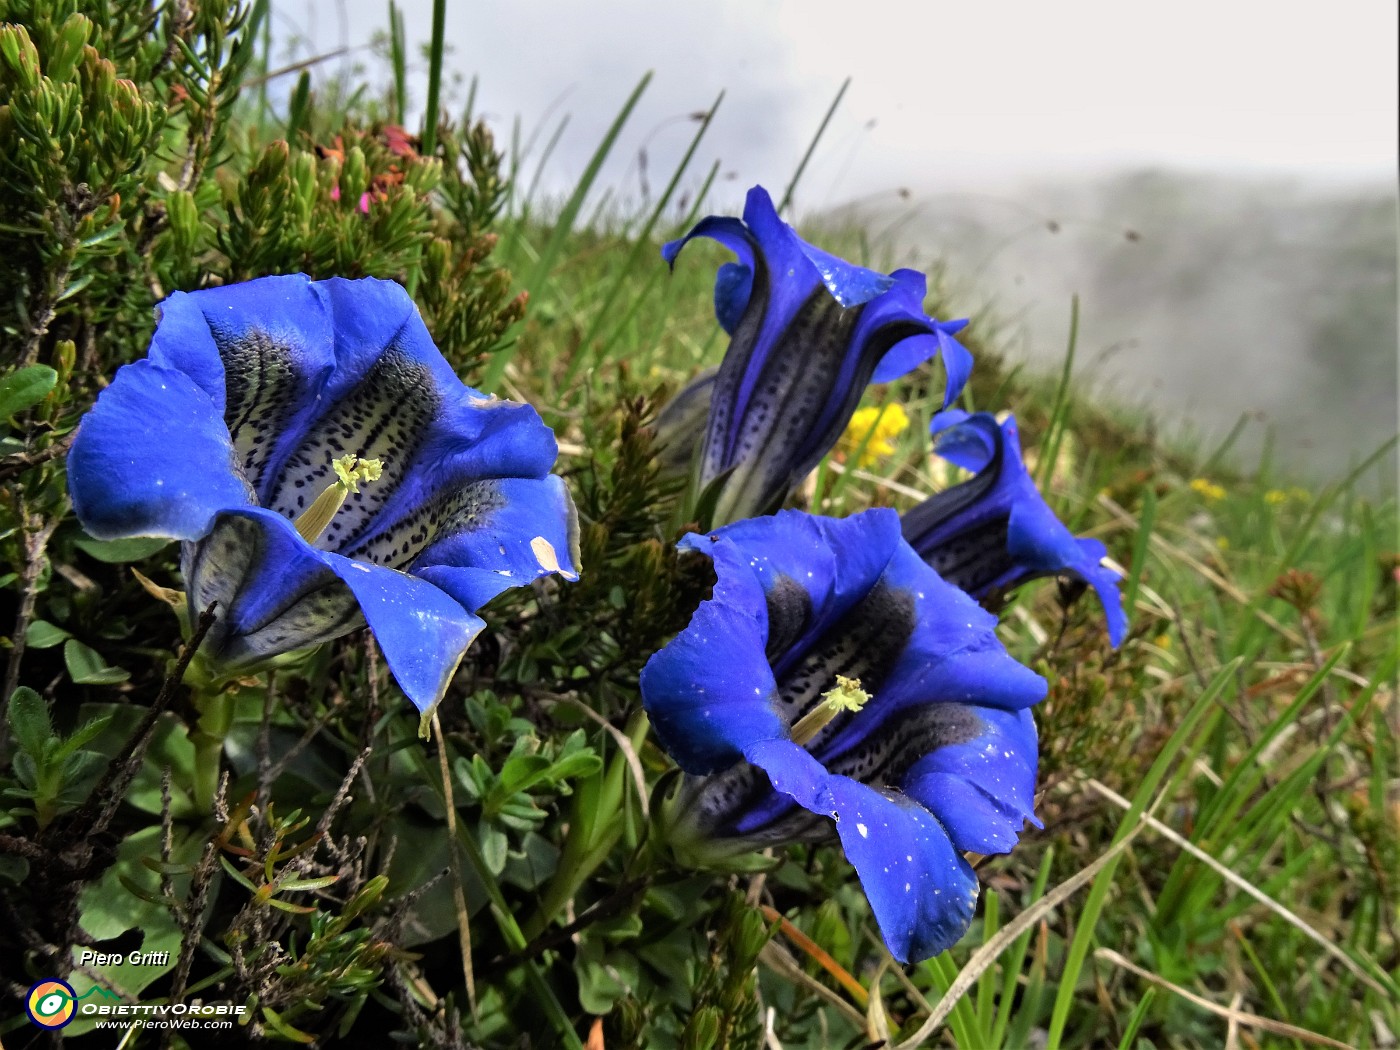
x=324 y=468
x=932 y=753
x=808 y=331
x=994 y=532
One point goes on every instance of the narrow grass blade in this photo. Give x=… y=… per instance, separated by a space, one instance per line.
x=1147 y=518
x=641 y=244
x=1136 y=1018
x=398 y=59
x=986 y=955
x=548 y=152
x=812 y=147
x=962 y=1019
x=435 y=58
x=1176 y=747
x=495 y=369
x=1265 y=1024
x=1059 y=414
x=1171 y=835
x=1013 y=962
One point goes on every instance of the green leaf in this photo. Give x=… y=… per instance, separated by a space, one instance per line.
x=579 y=764
x=122 y=899
x=494 y=847
x=43 y=635
x=25 y=388
x=29 y=720
x=134 y=548
x=86 y=666
x=170 y=748
x=85 y=733
x=282 y=1028
x=604 y=977
x=321 y=882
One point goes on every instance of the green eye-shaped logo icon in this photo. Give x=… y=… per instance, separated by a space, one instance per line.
x=50 y=1004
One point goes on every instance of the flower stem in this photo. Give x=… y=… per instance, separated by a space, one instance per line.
x=215 y=719
x=589 y=843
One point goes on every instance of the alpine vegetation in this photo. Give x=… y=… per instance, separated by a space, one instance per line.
x=435 y=614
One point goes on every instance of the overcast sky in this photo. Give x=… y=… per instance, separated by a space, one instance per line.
x=1004 y=112
x=943 y=94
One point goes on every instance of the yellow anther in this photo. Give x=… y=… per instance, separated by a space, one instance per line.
x=847 y=695
x=350 y=470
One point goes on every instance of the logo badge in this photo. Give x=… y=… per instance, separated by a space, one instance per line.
x=50 y=1004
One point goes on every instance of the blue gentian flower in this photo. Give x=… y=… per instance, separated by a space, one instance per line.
x=324 y=468
x=994 y=532
x=934 y=752
x=808 y=331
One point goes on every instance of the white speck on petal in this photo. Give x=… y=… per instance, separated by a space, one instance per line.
x=864 y=831
x=362 y=568
x=544 y=554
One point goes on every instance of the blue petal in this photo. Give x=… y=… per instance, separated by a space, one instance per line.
x=1039 y=540
x=957 y=362
x=370 y=316
x=424 y=633
x=449 y=483
x=892 y=335
x=728 y=231
x=794 y=773
x=850 y=285
x=954 y=655
x=904 y=302
x=1037 y=543
x=1105 y=583
x=275 y=593
x=922 y=891
x=982 y=790
x=712 y=690
x=835 y=561
x=198 y=329
x=388 y=389
x=710 y=693
x=968 y=441
x=153 y=458
x=262 y=350
x=278 y=593
x=733 y=287
x=529 y=529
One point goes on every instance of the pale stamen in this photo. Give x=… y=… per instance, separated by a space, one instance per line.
x=350 y=470
x=847 y=695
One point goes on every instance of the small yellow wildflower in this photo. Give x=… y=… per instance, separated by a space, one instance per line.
x=1208 y=489
x=882 y=423
x=1275 y=496
x=1223 y=542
